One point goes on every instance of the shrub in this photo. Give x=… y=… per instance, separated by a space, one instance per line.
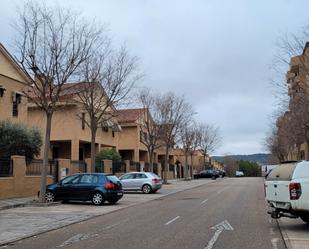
x=249 y=168
x=18 y=139
x=108 y=154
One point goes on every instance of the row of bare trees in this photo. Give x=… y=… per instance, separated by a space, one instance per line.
x=291 y=128
x=56 y=46
x=169 y=121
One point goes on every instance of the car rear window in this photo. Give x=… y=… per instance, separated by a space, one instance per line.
x=155 y=175
x=282 y=172
x=113 y=178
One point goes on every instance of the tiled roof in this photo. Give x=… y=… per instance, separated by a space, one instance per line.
x=129 y=115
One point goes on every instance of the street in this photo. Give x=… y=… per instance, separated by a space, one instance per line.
x=230 y=213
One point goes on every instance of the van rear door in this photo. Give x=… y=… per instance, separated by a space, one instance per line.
x=277 y=183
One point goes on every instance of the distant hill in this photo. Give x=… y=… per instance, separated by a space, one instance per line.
x=258 y=158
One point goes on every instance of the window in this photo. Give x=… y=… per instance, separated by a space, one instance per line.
x=83 y=121
x=2 y=90
x=16 y=101
x=15 y=109
x=127 y=177
x=140 y=176
x=69 y=179
x=88 y=179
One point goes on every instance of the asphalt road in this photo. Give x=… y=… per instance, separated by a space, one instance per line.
x=184 y=220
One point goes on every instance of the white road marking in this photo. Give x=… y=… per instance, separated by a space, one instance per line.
x=171 y=221
x=220 y=227
x=80 y=237
x=204 y=201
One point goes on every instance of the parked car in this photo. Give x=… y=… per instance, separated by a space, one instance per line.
x=95 y=187
x=209 y=173
x=239 y=173
x=287 y=190
x=147 y=182
x=222 y=173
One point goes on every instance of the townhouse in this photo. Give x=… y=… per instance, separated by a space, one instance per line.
x=13 y=104
x=70 y=136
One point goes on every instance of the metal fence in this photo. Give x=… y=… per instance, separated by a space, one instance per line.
x=155 y=168
x=119 y=167
x=171 y=167
x=81 y=166
x=147 y=167
x=35 y=166
x=135 y=166
x=6 y=167
x=99 y=166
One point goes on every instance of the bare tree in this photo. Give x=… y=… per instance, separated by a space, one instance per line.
x=150 y=130
x=52 y=44
x=209 y=139
x=108 y=78
x=231 y=165
x=173 y=113
x=189 y=140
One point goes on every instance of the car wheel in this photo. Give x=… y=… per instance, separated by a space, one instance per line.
x=146 y=189
x=49 y=196
x=305 y=219
x=97 y=198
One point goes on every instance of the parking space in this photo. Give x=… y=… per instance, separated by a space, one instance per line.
x=41 y=219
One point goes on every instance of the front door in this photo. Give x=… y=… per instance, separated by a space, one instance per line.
x=127 y=181
x=66 y=189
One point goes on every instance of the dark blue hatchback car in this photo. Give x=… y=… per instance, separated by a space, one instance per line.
x=95 y=187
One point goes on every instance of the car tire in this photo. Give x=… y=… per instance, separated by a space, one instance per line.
x=146 y=189
x=305 y=219
x=49 y=196
x=97 y=199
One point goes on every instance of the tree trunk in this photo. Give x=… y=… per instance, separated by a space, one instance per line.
x=45 y=159
x=93 y=152
x=151 y=160
x=186 y=166
x=166 y=164
x=204 y=156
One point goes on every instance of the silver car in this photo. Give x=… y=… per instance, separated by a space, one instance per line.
x=147 y=182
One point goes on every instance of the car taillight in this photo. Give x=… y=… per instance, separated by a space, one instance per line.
x=155 y=180
x=109 y=186
x=295 y=190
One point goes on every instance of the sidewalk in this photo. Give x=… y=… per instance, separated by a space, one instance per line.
x=42 y=219
x=16 y=202
x=295 y=233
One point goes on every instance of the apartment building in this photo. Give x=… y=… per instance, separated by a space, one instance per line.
x=298 y=91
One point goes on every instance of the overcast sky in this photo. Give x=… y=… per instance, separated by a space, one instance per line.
x=216 y=53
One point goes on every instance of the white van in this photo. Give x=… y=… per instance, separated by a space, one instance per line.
x=287 y=190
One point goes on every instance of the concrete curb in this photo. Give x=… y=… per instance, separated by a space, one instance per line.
x=284 y=235
x=95 y=216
